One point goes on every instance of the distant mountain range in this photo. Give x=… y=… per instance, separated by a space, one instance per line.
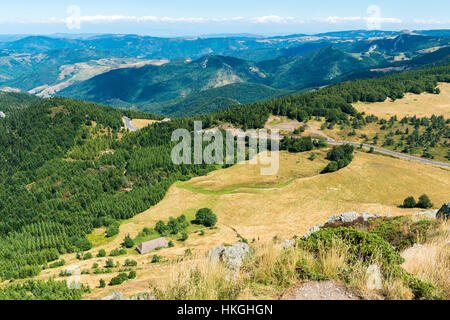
x=186 y=76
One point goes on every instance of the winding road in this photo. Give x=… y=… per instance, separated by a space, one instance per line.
x=128 y=124
x=330 y=140
x=318 y=132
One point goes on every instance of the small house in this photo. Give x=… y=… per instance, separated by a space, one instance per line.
x=2 y=114
x=151 y=245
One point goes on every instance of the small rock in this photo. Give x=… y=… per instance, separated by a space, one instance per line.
x=345 y=217
x=145 y=295
x=288 y=244
x=427 y=214
x=367 y=216
x=232 y=257
x=114 y=296
x=374 y=278
x=313 y=230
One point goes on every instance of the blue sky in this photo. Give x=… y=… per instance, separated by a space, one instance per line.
x=196 y=17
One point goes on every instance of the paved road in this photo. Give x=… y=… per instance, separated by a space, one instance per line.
x=330 y=140
x=128 y=124
x=398 y=154
x=319 y=133
x=402 y=155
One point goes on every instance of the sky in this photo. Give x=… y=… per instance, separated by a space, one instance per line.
x=201 y=17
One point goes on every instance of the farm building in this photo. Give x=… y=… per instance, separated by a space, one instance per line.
x=152 y=245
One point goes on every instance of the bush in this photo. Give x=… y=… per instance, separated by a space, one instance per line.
x=184 y=236
x=401 y=232
x=206 y=217
x=128 y=242
x=409 y=202
x=102 y=283
x=101 y=253
x=340 y=157
x=366 y=248
x=363 y=246
x=156 y=258
x=132 y=274
x=112 y=230
x=109 y=263
x=117 y=252
x=130 y=263
x=57 y=264
x=119 y=279
x=83 y=244
x=87 y=256
x=424 y=202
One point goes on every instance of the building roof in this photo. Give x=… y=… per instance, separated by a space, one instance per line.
x=152 y=245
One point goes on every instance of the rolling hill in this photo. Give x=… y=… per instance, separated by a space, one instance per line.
x=178 y=83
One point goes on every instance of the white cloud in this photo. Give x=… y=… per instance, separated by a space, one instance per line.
x=430 y=21
x=272 y=19
x=268 y=19
x=335 y=19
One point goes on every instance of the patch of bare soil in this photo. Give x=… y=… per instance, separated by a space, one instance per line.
x=324 y=290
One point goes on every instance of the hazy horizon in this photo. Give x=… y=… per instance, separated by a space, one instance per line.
x=176 y=18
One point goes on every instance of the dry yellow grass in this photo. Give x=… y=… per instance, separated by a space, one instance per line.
x=260 y=207
x=431 y=261
x=142 y=123
x=422 y=105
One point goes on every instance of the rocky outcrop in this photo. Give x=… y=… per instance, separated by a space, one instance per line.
x=427 y=214
x=444 y=212
x=344 y=218
x=114 y=296
x=145 y=295
x=288 y=243
x=232 y=256
x=350 y=217
x=374 y=279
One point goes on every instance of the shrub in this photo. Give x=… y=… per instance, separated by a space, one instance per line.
x=156 y=258
x=340 y=157
x=424 y=202
x=112 y=230
x=102 y=283
x=363 y=246
x=83 y=244
x=161 y=227
x=206 y=217
x=184 y=236
x=128 y=242
x=117 y=252
x=409 y=202
x=130 y=263
x=132 y=274
x=57 y=264
x=367 y=248
x=401 y=232
x=119 y=279
x=109 y=263
x=101 y=253
x=87 y=256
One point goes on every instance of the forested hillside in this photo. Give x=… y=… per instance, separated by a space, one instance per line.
x=15 y=100
x=64 y=171
x=67 y=167
x=334 y=102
